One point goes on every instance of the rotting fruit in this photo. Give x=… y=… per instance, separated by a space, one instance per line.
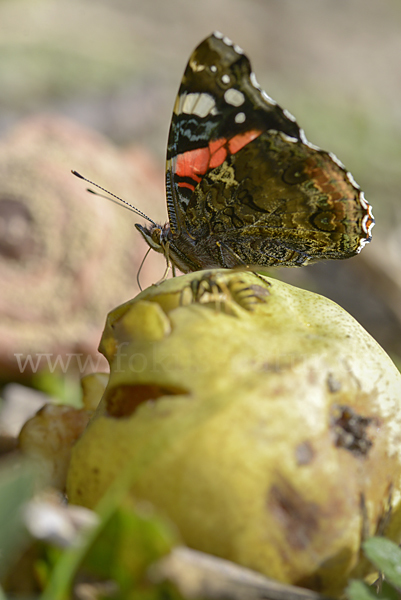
x=260 y=418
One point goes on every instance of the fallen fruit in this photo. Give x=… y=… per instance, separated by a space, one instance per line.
x=260 y=418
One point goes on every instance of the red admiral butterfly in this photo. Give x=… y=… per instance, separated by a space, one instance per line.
x=244 y=185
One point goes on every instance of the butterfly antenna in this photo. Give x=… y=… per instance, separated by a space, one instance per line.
x=117 y=200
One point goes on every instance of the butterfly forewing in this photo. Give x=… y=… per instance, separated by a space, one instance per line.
x=244 y=186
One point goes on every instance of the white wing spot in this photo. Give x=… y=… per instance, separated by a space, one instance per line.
x=305 y=141
x=365 y=220
x=363 y=201
x=372 y=222
x=227 y=41
x=266 y=97
x=218 y=35
x=303 y=137
x=368 y=222
x=238 y=49
x=362 y=244
x=198 y=104
x=337 y=161
x=213 y=68
x=225 y=78
x=288 y=138
x=352 y=181
x=234 y=97
x=254 y=81
x=312 y=146
x=240 y=117
x=289 y=115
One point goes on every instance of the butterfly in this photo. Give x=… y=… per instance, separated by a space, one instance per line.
x=244 y=185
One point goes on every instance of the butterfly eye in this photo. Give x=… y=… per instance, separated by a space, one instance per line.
x=156 y=233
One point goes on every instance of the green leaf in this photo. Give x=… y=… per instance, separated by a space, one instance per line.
x=358 y=590
x=388 y=592
x=386 y=556
x=67 y=390
x=129 y=543
x=16 y=487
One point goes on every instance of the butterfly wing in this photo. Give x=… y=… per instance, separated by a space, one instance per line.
x=217 y=111
x=279 y=202
x=243 y=181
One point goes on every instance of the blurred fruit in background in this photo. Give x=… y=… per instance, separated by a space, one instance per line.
x=66 y=257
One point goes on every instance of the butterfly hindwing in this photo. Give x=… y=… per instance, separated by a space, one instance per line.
x=278 y=202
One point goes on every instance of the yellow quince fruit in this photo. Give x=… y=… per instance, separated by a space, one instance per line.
x=262 y=419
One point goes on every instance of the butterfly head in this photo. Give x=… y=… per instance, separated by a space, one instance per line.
x=155 y=236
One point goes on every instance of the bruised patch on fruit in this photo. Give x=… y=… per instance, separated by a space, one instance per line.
x=351 y=430
x=124 y=400
x=333 y=384
x=365 y=533
x=298 y=518
x=304 y=453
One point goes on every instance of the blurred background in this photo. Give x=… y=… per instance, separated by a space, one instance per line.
x=90 y=85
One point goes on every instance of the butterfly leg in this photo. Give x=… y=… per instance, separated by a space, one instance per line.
x=168 y=264
x=140 y=269
x=210 y=289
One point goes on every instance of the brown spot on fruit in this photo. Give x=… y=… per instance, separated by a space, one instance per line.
x=351 y=430
x=365 y=529
x=304 y=453
x=124 y=400
x=333 y=384
x=298 y=517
